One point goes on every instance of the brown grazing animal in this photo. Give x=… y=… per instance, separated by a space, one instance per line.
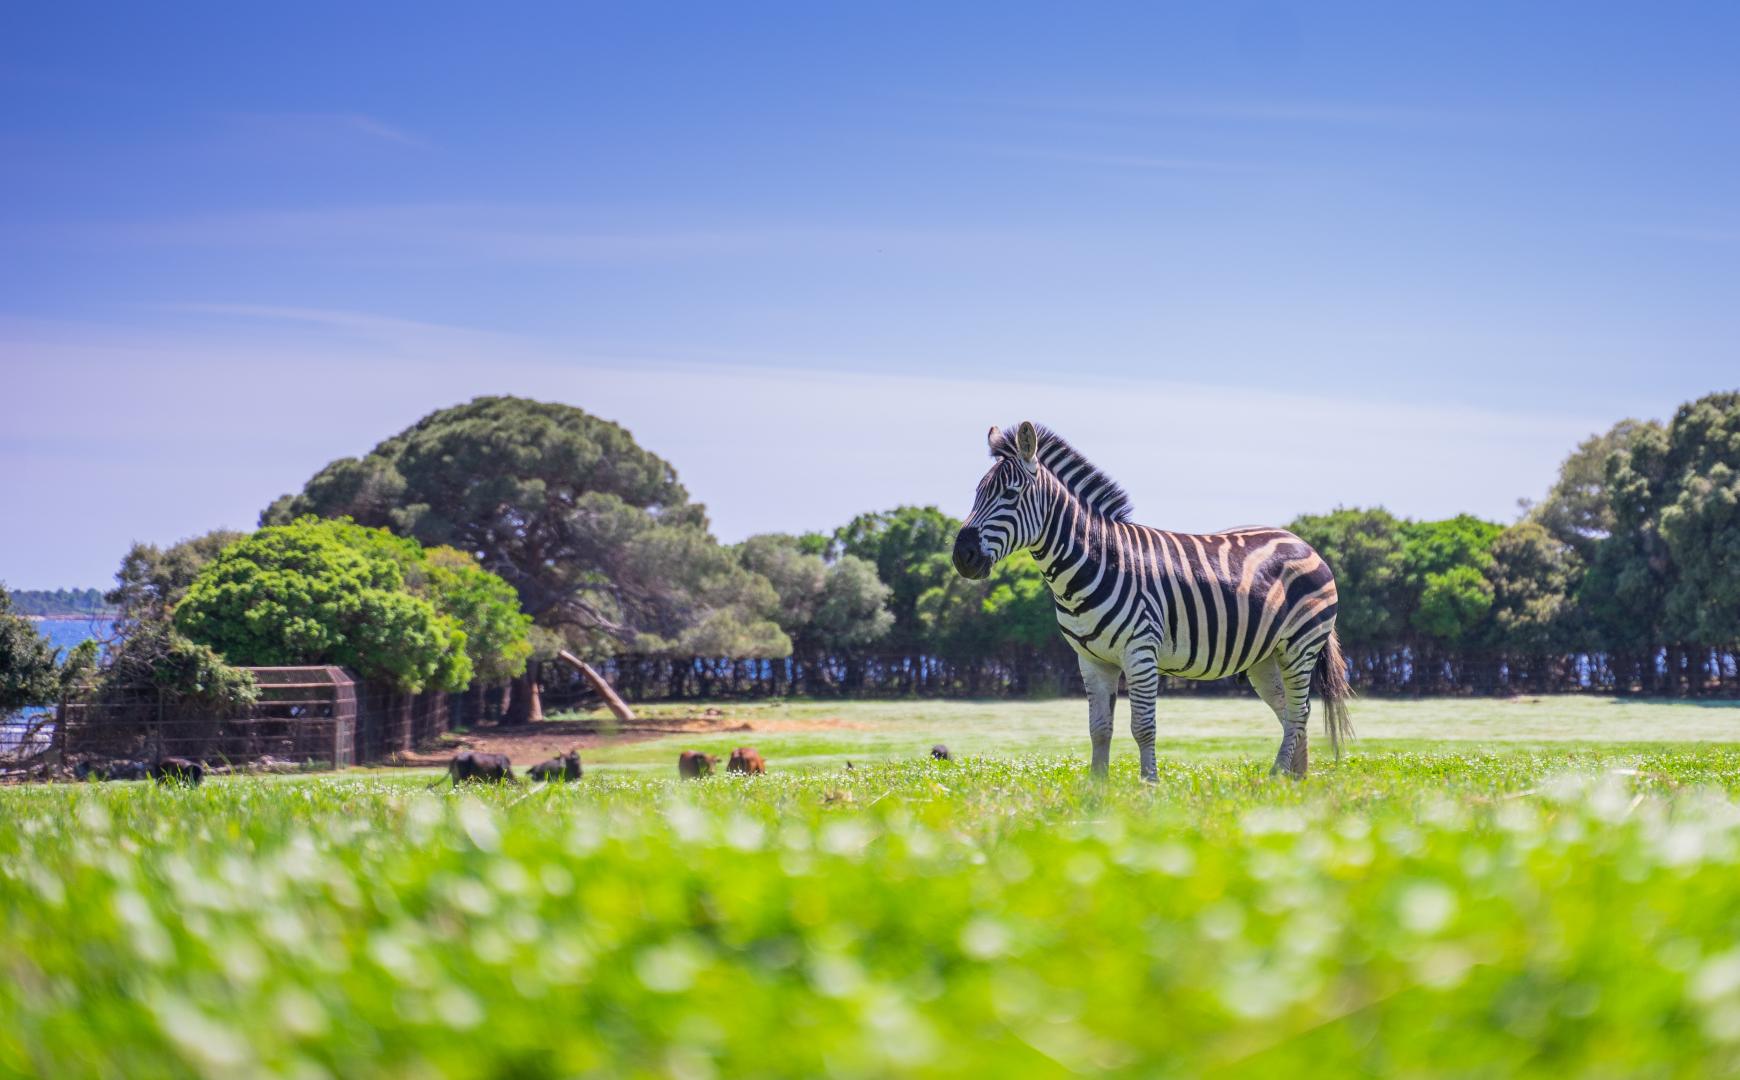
x=470 y=766
x=692 y=764
x=746 y=760
x=940 y=752
x=565 y=767
x=178 y=770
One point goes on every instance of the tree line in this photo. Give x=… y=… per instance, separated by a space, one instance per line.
x=60 y=602
x=465 y=551
x=1623 y=578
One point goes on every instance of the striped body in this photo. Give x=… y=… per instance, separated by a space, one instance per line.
x=1147 y=603
x=1214 y=604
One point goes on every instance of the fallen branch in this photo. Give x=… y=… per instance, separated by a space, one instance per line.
x=612 y=701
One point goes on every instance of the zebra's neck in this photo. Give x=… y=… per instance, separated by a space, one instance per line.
x=1067 y=536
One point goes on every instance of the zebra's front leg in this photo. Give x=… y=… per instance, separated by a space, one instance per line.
x=1142 y=670
x=1101 y=680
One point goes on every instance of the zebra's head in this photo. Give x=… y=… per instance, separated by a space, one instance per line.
x=1008 y=510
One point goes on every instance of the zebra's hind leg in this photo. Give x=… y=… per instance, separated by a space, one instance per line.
x=1101 y=680
x=1266 y=680
x=1142 y=671
x=1284 y=683
x=1296 y=677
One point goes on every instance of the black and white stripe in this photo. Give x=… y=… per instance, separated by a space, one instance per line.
x=1146 y=603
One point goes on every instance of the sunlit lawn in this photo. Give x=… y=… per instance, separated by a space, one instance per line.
x=1190 y=726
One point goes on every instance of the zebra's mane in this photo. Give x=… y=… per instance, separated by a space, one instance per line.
x=1097 y=491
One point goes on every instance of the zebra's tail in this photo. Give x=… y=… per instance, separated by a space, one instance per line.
x=1329 y=681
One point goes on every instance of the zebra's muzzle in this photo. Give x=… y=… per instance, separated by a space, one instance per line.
x=970 y=560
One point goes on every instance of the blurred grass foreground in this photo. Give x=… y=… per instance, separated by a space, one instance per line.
x=1567 y=912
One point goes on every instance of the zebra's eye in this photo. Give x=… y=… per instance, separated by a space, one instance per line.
x=1012 y=490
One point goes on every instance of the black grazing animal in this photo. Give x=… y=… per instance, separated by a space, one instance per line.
x=562 y=767
x=692 y=764
x=469 y=766
x=178 y=770
x=940 y=752
x=112 y=770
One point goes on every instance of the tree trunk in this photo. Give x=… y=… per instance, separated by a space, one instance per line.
x=470 y=711
x=524 y=705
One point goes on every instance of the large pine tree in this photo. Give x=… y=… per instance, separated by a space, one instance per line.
x=594 y=532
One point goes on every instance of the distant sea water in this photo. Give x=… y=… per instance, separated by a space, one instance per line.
x=63 y=634
x=66 y=632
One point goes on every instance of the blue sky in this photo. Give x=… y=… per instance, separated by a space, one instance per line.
x=1256 y=259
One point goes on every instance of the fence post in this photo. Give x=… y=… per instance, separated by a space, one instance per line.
x=57 y=745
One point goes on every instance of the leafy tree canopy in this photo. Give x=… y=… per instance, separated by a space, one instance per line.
x=1447 y=563
x=327 y=592
x=157 y=661
x=1006 y=612
x=901 y=545
x=496 y=630
x=1365 y=549
x=822 y=604
x=1578 y=511
x=28 y=673
x=1698 y=492
x=594 y=532
x=152 y=580
x=1436 y=547
x=1533 y=576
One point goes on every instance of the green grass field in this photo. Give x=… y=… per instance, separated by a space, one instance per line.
x=1441 y=903
x=1189 y=727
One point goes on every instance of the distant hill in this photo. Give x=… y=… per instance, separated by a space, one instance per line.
x=86 y=602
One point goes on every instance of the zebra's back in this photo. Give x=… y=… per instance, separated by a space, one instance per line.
x=1223 y=601
x=1213 y=602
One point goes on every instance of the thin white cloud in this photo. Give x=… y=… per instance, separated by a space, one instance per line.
x=403 y=335
x=368 y=125
x=326 y=124
x=1702 y=234
x=1141 y=162
x=1300 y=112
x=549 y=234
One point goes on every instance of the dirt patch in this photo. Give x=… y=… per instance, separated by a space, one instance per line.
x=538 y=742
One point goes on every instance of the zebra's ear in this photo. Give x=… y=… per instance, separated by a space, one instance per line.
x=1027 y=441
x=992 y=437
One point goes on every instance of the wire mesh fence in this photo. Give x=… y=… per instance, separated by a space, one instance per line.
x=319 y=717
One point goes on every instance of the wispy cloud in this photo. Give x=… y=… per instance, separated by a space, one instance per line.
x=549 y=234
x=400 y=335
x=1702 y=234
x=1134 y=162
x=309 y=125
x=57 y=79
x=1248 y=110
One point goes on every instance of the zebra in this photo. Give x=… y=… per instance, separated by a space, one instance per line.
x=1146 y=603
